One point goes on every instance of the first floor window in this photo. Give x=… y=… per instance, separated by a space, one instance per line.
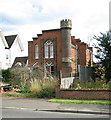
x=46 y=51
x=36 y=52
x=51 y=51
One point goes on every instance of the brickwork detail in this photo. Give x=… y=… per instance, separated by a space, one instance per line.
x=64 y=49
x=91 y=94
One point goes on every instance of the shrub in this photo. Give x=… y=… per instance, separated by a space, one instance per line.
x=79 y=84
x=43 y=88
x=32 y=80
x=21 y=76
x=24 y=89
x=91 y=84
x=100 y=72
x=7 y=75
x=35 y=86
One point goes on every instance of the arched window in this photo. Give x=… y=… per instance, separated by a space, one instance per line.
x=18 y=64
x=36 y=52
x=49 y=46
x=50 y=67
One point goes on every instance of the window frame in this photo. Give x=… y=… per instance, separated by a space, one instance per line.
x=51 y=51
x=36 y=51
x=46 y=51
x=48 y=65
x=49 y=54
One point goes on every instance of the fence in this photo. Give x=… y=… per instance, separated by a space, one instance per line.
x=85 y=72
x=67 y=82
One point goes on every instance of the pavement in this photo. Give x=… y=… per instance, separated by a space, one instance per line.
x=84 y=108
x=44 y=105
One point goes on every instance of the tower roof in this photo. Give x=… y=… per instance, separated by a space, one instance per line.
x=66 y=23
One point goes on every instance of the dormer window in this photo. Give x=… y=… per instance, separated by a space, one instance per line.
x=49 y=46
x=36 y=52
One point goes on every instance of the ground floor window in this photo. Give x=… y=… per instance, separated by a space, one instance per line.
x=50 y=67
x=52 y=70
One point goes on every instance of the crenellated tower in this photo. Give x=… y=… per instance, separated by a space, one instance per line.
x=66 y=26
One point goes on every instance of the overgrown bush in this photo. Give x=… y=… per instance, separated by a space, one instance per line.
x=21 y=76
x=33 y=80
x=98 y=83
x=100 y=72
x=7 y=75
x=35 y=86
x=44 y=88
x=24 y=89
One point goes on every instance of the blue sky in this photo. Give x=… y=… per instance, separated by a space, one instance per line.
x=28 y=17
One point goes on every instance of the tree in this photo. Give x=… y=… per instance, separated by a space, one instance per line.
x=103 y=52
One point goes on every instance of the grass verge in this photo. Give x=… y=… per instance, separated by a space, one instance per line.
x=17 y=94
x=63 y=101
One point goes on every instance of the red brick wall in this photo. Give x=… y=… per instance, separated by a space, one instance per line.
x=73 y=53
x=83 y=52
x=55 y=37
x=30 y=52
x=88 y=56
x=70 y=93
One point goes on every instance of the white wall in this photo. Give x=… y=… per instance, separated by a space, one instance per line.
x=110 y=15
x=3 y=53
x=12 y=53
x=15 y=51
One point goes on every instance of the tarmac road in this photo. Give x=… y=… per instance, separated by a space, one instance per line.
x=27 y=113
x=25 y=108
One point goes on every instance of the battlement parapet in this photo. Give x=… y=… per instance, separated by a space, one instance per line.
x=66 y=23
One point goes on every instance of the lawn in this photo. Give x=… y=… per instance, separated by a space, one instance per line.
x=63 y=101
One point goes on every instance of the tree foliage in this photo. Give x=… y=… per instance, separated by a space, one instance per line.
x=103 y=52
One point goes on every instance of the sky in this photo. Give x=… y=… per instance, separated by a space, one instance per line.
x=27 y=18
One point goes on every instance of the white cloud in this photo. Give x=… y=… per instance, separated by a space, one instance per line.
x=29 y=17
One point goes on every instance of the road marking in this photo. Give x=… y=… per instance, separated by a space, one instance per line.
x=17 y=108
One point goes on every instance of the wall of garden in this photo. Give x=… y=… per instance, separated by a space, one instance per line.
x=86 y=93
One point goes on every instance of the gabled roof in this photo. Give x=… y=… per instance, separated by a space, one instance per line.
x=22 y=60
x=3 y=39
x=10 y=40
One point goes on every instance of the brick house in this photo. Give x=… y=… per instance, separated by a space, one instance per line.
x=56 y=50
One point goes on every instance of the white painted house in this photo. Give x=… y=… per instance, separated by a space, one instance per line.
x=110 y=15
x=10 y=47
